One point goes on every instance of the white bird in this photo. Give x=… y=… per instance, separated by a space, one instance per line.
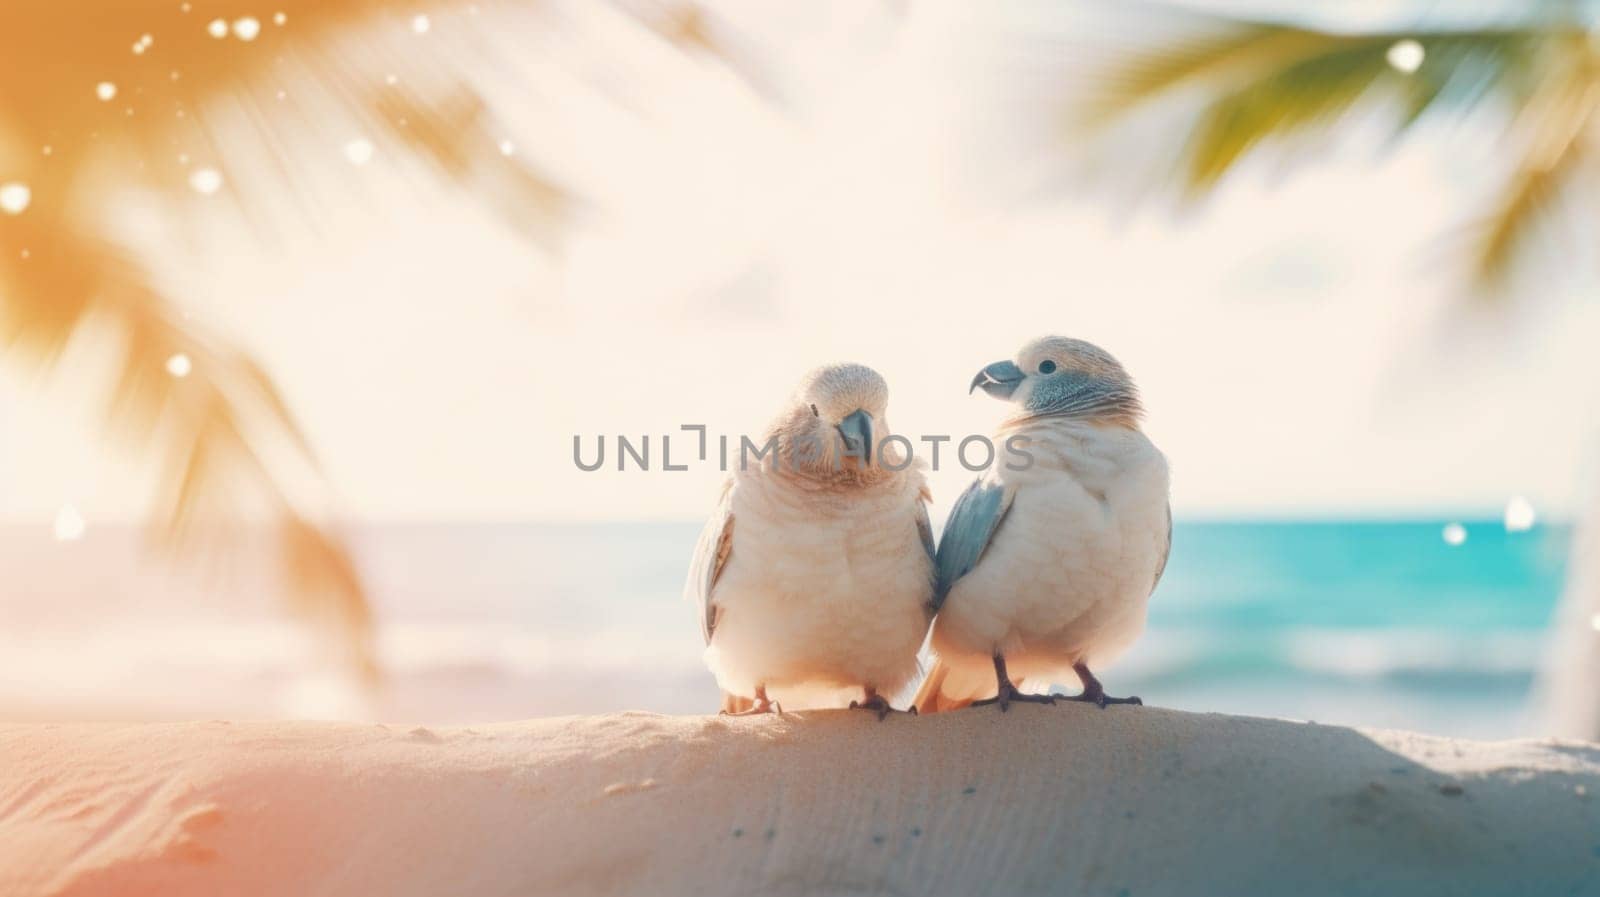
x=1047 y=563
x=816 y=570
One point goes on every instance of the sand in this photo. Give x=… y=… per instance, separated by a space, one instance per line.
x=1064 y=800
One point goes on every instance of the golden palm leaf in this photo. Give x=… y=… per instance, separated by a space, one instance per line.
x=1555 y=125
x=221 y=433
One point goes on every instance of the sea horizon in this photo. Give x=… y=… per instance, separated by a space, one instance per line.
x=1361 y=621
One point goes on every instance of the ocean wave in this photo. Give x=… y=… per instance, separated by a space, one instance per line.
x=1338 y=654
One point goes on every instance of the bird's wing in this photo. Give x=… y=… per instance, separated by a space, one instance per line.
x=710 y=558
x=973 y=521
x=924 y=526
x=1166 y=551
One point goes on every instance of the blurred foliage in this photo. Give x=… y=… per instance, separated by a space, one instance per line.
x=220 y=434
x=1231 y=87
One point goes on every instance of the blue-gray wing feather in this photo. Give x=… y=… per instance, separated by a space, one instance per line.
x=925 y=528
x=973 y=522
x=711 y=555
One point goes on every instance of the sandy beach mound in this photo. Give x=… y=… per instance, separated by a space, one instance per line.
x=1064 y=800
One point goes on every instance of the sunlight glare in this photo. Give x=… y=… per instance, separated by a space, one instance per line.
x=1520 y=515
x=69 y=524
x=14 y=197
x=1406 y=55
x=1454 y=534
x=420 y=24
x=106 y=91
x=217 y=29
x=206 y=181
x=179 y=365
x=359 y=151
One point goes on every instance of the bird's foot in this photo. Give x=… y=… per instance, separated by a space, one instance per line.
x=877 y=702
x=1009 y=695
x=762 y=706
x=1098 y=697
x=1093 y=692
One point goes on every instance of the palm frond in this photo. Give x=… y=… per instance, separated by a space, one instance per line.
x=222 y=433
x=1268 y=82
x=451 y=132
x=1311 y=92
x=209 y=428
x=1234 y=87
x=1525 y=205
x=1217 y=54
x=1555 y=126
x=692 y=28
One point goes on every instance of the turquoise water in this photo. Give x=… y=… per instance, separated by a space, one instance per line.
x=1380 y=623
x=1354 y=622
x=1346 y=574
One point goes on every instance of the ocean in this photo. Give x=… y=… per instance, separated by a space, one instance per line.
x=1377 y=623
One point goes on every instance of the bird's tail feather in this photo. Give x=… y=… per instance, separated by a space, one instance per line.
x=935 y=694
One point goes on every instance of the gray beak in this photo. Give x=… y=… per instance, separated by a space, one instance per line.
x=856 y=431
x=999 y=379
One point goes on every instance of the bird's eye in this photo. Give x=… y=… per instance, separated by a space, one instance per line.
x=1047 y=367
x=814 y=411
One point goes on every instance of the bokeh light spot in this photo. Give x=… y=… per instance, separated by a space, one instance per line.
x=1406 y=55
x=14 y=197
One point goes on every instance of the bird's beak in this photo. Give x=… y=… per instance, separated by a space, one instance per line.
x=856 y=431
x=999 y=379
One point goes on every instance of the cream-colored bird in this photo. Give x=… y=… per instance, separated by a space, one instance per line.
x=1048 y=568
x=815 y=573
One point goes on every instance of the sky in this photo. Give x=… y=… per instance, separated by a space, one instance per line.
x=1301 y=339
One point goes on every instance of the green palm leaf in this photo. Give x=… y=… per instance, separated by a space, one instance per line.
x=1236 y=87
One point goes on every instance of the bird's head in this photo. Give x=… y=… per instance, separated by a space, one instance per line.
x=1057 y=376
x=836 y=420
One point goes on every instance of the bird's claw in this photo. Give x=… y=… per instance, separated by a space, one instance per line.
x=1101 y=700
x=876 y=702
x=1009 y=694
x=1093 y=693
x=758 y=710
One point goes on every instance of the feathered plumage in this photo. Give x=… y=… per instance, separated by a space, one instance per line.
x=814 y=575
x=1046 y=568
